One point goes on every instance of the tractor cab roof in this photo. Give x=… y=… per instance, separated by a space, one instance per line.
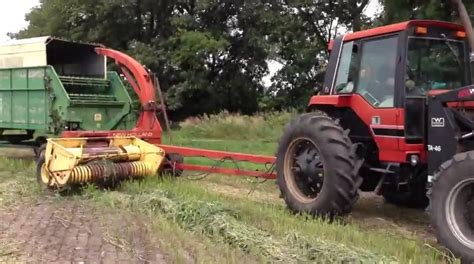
x=398 y=27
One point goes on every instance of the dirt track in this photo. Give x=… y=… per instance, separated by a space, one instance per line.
x=68 y=232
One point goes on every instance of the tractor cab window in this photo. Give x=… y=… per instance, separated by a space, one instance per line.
x=434 y=64
x=347 y=71
x=376 y=80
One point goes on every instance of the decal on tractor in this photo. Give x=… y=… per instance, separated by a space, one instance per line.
x=434 y=148
x=437 y=122
x=376 y=120
x=466 y=92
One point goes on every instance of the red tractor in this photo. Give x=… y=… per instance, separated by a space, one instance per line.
x=394 y=116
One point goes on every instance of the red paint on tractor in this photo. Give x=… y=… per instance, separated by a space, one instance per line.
x=397 y=28
x=400 y=27
x=391 y=148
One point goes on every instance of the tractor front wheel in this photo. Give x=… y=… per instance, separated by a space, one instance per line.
x=452 y=205
x=315 y=167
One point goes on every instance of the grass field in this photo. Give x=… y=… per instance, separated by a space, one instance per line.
x=223 y=219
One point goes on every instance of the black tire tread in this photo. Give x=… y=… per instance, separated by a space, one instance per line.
x=447 y=175
x=340 y=155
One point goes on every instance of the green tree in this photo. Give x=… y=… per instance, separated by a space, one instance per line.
x=303 y=30
x=211 y=55
x=402 y=10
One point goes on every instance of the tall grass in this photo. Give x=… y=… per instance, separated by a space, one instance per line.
x=266 y=126
x=257 y=134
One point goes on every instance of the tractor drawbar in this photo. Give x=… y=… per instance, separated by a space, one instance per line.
x=75 y=161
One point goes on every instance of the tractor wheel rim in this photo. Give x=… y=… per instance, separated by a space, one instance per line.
x=304 y=169
x=459 y=209
x=44 y=175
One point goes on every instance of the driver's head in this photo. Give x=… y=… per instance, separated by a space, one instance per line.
x=365 y=73
x=385 y=72
x=385 y=78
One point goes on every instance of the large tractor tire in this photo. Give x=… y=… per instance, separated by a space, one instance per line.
x=452 y=205
x=316 y=167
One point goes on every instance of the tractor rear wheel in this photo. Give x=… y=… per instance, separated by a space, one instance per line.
x=452 y=205
x=316 y=167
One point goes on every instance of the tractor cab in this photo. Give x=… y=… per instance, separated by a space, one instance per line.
x=380 y=79
x=386 y=64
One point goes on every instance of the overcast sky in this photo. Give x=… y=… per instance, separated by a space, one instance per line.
x=12 y=14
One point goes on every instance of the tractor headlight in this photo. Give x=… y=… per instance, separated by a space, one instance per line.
x=414 y=159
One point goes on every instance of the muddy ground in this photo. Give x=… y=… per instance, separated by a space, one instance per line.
x=72 y=232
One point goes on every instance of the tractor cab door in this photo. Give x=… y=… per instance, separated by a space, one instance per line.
x=368 y=71
x=367 y=67
x=432 y=65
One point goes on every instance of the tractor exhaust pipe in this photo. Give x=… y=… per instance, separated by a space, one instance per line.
x=466 y=21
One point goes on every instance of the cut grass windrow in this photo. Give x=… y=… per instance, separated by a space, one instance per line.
x=222 y=224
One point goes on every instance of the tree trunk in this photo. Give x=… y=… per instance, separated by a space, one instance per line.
x=357 y=13
x=466 y=21
x=356 y=24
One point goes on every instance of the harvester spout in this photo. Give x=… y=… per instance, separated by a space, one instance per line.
x=142 y=83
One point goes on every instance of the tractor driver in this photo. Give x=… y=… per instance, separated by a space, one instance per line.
x=377 y=76
x=383 y=85
x=412 y=89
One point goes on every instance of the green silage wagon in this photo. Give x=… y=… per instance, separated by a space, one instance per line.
x=48 y=86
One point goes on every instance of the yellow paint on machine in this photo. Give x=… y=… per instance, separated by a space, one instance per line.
x=70 y=161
